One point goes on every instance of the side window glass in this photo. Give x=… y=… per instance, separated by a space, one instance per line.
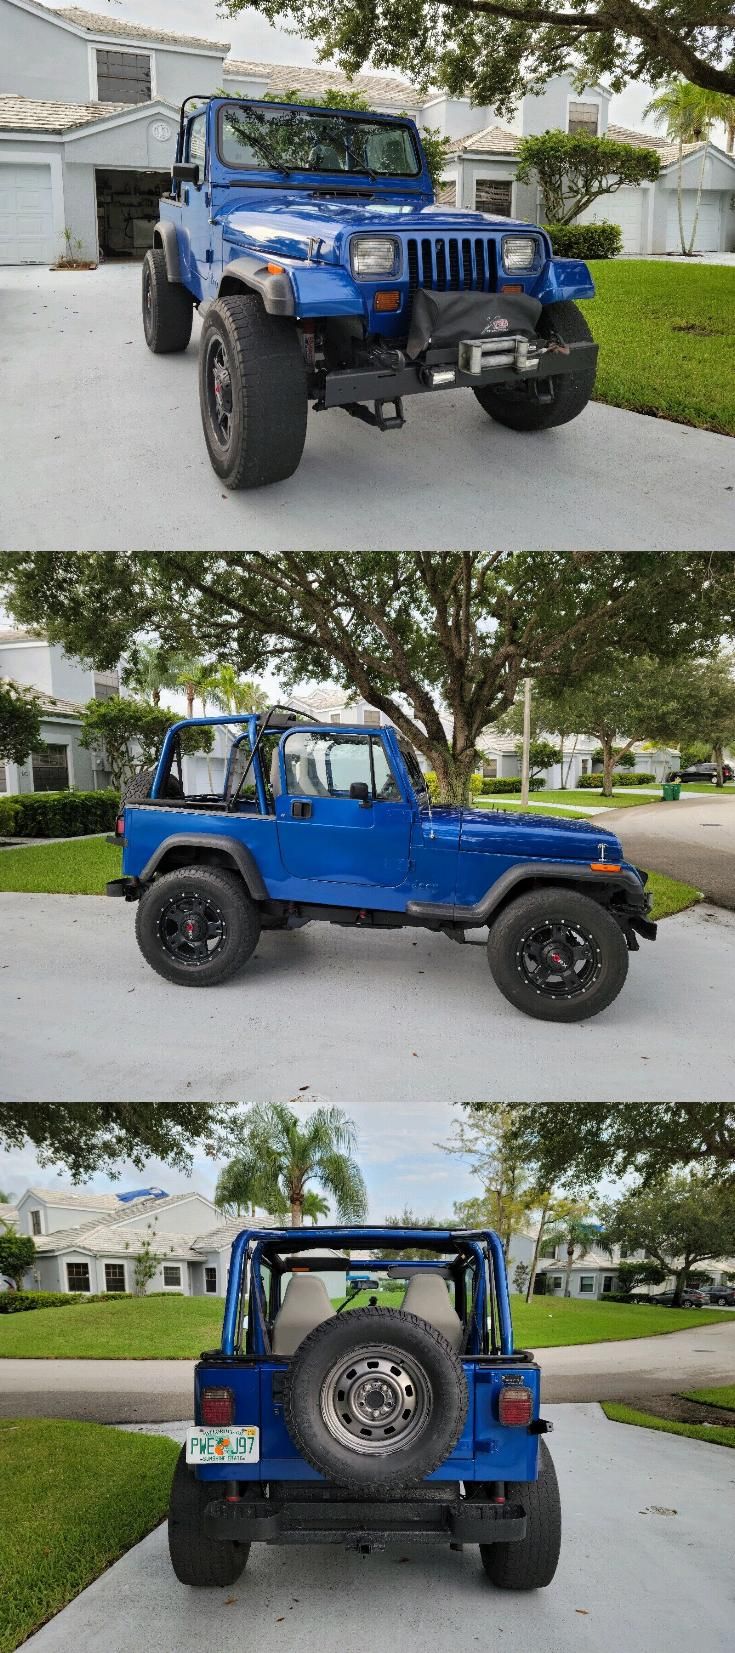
x=198 y=141
x=324 y=766
x=387 y=790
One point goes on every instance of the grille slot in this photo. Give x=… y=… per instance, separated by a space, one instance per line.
x=451 y=264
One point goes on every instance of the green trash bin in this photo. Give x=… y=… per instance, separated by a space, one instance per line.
x=671 y=791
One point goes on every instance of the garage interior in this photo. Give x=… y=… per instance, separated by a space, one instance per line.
x=127 y=209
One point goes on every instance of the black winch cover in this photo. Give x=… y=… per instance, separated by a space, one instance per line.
x=445 y=318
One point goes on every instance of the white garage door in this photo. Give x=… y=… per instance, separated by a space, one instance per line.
x=708 y=223
x=26 y=216
x=626 y=209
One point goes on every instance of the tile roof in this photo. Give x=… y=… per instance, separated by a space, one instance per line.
x=496 y=140
x=19 y=114
x=15 y=634
x=50 y=706
x=646 y=140
x=312 y=81
x=93 y=22
x=67 y=1196
x=9 y=1216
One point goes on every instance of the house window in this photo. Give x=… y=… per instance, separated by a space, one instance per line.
x=336 y=717
x=494 y=195
x=35 y=1222
x=51 y=769
x=584 y=117
x=172 y=1275
x=114 y=1276
x=587 y=1285
x=556 y=1282
x=77 y=1275
x=607 y=1283
x=371 y=718
x=123 y=77
x=105 y=691
x=490 y=769
x=584 y=767
x=3 y=778
x=210 y=1279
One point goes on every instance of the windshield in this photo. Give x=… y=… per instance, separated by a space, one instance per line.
x=255 y=138
x=415 y=772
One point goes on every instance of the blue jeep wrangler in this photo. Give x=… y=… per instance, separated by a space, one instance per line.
x=310 y=243
x=367 y=1427
x=335 y=823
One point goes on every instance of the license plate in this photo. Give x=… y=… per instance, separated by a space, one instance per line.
x=240 y=1444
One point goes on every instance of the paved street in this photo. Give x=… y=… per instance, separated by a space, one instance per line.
x=157 y=1391
x=315 y=1012
x=645 y=1565
x=119 y=458
x=693 y=839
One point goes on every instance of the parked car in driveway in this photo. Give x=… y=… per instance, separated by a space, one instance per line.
x=721 y=1297
x=702 y=772
x=691 y=1298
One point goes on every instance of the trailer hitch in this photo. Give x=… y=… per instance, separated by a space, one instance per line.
x=375 y=415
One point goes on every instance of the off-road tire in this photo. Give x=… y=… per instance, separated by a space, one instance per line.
x=546 y=905
x=531 y=1562
x=267 y=390
x=139 y=787
x=195 y=1558
x=239 y=915
x=389 y=1329
x=168 y=309
x=518 y=407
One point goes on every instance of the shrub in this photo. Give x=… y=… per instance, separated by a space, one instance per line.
x=58 y=814
x=585 y=240
x=19 y=1302
x=626 y=778
x=510 y=784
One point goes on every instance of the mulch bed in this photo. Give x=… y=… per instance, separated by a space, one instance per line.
x=678 y=1410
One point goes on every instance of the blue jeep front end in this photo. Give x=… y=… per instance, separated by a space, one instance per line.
x=412 y=1424
x=310 y=237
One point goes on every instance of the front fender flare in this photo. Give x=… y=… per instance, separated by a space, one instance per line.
x=243 y=858
x=303 y=290
x=548 y=872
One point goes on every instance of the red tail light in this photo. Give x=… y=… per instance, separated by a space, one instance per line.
x=218 y=1406
x=120 y=826
x=515 y=1407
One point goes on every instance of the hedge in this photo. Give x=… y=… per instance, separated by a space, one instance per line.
x=585 y=240
x=58 y=814
x=511 y=784
x=19 y=1302
x=627 y=778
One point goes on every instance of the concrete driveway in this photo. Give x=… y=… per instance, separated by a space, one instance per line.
x=118 y=458
x=643 y=1567
x=693 y=839
x=373 y=1016
x=157 y=1391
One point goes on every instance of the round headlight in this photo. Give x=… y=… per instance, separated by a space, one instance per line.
x=519 y=252
x=374 y=255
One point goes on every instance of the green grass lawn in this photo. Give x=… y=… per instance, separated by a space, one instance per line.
x=585 y=796
x=666 y=334
x=724 y=1397
x=80 y=866
x=547 y=1322
x=132 y=1328
x=669 y=895
x=717 y=1434
x=73 y=1497
x=709 y=791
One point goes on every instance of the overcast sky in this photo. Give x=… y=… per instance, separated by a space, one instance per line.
x=251 y=36
x=396 y=1152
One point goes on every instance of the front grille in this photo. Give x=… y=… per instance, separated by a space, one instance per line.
x=452 y=263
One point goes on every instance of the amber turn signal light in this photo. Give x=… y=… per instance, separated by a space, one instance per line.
x=515 y=287
x=388 y=300
x=605 y=866
x=274 y=269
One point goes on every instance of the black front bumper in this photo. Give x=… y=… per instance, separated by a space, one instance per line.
x=364 y=1524
x=342 y=387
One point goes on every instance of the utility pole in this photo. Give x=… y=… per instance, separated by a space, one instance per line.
x=526 y=756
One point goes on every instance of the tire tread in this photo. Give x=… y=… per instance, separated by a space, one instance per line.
x=269 y=379
x=173 y=308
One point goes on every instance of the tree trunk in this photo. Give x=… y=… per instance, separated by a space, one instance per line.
x=608 y=764
x=568 y=1274
x=156 y=696
x=679 y=1283
x=453 y=772
x=717 y=755
x=693 y=236
x=189 y=691
x=679 y=201
x=536 y=1251
x=297 y=1213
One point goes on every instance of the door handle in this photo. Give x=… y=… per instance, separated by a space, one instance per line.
x=301 y=809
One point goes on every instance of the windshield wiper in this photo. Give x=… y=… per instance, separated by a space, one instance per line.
x=260 y=144
x=360 y=166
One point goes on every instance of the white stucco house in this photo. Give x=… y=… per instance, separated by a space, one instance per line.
x=63 y=686
x=89 y=107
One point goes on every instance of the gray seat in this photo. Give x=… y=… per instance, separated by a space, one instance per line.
x=305 y=1305
x=427 y=1296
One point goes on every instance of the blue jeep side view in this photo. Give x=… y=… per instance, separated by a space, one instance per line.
x=335 y=823
x=311 y=244
x=372 y=1426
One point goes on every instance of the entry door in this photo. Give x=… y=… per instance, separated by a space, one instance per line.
x=26 y=215
x=327 y=837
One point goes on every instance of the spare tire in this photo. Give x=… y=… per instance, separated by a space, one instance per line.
x=139 y=787
x=375 y=1399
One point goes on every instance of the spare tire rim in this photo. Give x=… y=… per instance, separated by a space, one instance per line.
x=559 y=958
x=191 y=928
x=375 y=1400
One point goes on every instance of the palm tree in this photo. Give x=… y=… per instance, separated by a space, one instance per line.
x=231 y=693
x=154 y=670
x=688 y=114
x=239 y=1191
x=281 y=1153
x=573 y=1230
x=315 y=1206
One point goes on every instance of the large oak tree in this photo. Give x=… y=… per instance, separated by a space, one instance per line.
x=428 y=638
x=576 y=1143
x=87 y=1137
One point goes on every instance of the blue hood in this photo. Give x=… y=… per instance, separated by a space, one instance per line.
x=545 y=837
x=287 y=221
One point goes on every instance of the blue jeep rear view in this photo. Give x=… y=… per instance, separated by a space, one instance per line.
x=310 y=242
x=333 y=823
x=321 y=1421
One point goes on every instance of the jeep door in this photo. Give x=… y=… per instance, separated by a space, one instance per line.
x=195 y=218
x=325 y=835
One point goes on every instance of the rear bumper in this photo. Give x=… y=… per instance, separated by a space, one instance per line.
x=364 y=1525
x=475 y=364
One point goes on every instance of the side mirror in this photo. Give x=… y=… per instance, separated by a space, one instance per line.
x=361 y=791
x=185 y=172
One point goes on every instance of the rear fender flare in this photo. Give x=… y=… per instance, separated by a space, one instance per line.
x=229 y=849
x=164 y=236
